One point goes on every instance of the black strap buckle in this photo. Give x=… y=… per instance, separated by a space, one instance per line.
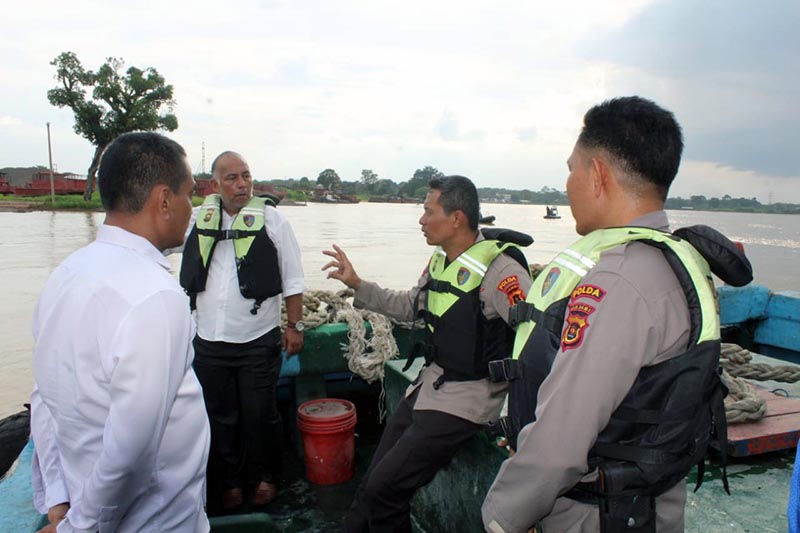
x=438 y=285
x=225 y=234
x=504 y=370
x=522 y=312
x=502 y=427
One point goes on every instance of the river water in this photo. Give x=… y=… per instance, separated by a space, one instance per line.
x=383 y=241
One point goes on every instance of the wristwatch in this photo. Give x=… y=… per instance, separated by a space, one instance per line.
x=297 y=326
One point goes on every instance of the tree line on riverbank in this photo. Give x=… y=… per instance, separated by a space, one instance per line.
x=299 y=189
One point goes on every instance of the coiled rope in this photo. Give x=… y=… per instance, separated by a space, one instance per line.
x=366 y=355
x=743 y=404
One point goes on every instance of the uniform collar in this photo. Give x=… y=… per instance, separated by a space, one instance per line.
x=654 y=219
x=117 y=236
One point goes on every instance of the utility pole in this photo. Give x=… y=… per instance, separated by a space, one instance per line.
x=50 y=155
x=203 y=159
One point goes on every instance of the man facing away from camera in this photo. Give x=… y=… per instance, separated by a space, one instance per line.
x=118 y=422
x=614 y=391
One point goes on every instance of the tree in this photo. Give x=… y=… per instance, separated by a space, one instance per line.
x=329 y=179
x=368 y=178
x=384 y=187
x=120 y=103
x=428 y=173
x=420 y=181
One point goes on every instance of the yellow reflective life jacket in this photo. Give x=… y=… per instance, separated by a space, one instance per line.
x=256 y=256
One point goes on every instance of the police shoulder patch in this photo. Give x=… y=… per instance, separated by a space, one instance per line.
x=588 y=291
x=550 y=280
x=577 y=324
x=510 y=286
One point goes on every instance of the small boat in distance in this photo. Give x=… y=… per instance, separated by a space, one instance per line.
x=552 y=212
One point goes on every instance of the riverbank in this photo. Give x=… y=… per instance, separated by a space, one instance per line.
x=75 y=202
x=66 y=202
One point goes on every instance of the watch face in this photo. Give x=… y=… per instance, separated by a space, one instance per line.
x=299 y=325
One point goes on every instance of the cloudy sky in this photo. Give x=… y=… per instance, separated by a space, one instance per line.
x=492 y=90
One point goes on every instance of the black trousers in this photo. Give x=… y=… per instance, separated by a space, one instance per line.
x=414 y=446
x=239 y=387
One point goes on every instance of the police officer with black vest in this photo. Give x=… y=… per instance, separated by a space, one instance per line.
x=240 y=256
x=464 y=295
x=614 y=391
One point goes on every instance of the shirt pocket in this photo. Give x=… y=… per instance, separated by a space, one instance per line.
x=109 y=519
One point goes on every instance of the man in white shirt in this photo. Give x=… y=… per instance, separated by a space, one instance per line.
x=118 y=420
x=240 y=257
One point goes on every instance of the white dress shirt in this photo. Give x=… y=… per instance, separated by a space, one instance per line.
x=222 y=313
x=118 y=420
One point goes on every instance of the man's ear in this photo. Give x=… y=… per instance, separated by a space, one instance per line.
x=601 y=173
x=458 y=218
x=163 y=197
x=213 y=186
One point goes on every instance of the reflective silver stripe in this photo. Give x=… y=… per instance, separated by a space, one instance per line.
x=566 y=264
x=473 y=263
x=580 y=257
x=494 y=527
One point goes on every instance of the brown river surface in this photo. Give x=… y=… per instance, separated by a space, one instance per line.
x=383 y=241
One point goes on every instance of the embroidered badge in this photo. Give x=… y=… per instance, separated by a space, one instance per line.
x=249 y=220
x=550 y=279
x=209 y=214
x=510 y=286
x=462 y=276
x=590 y=291
x=577 y=323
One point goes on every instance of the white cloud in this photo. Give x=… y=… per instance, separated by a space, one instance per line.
x=493 y=91
x=6 y=120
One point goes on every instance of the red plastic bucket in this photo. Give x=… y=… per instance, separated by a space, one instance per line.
x=328 y=443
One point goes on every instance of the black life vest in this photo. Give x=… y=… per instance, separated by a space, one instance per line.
x=458 y=336
x=257 y=264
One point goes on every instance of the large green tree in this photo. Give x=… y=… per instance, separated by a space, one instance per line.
x=417 y=186
x=120 y=102
x=368 y=179
x=329 y=179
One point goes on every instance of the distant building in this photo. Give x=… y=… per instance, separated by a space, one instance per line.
x=63 y=183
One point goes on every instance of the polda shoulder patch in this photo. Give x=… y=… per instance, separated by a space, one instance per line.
x=577 y=324
x=510 y=286
x=588 y=291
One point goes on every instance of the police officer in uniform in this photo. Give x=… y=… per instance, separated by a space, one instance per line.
x=613 y=382
x=464 y=294
x=239 y=258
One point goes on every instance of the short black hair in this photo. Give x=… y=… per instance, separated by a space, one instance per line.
x=133 y=164
x=457 y=193
x=644 y=138
x=220 y=156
